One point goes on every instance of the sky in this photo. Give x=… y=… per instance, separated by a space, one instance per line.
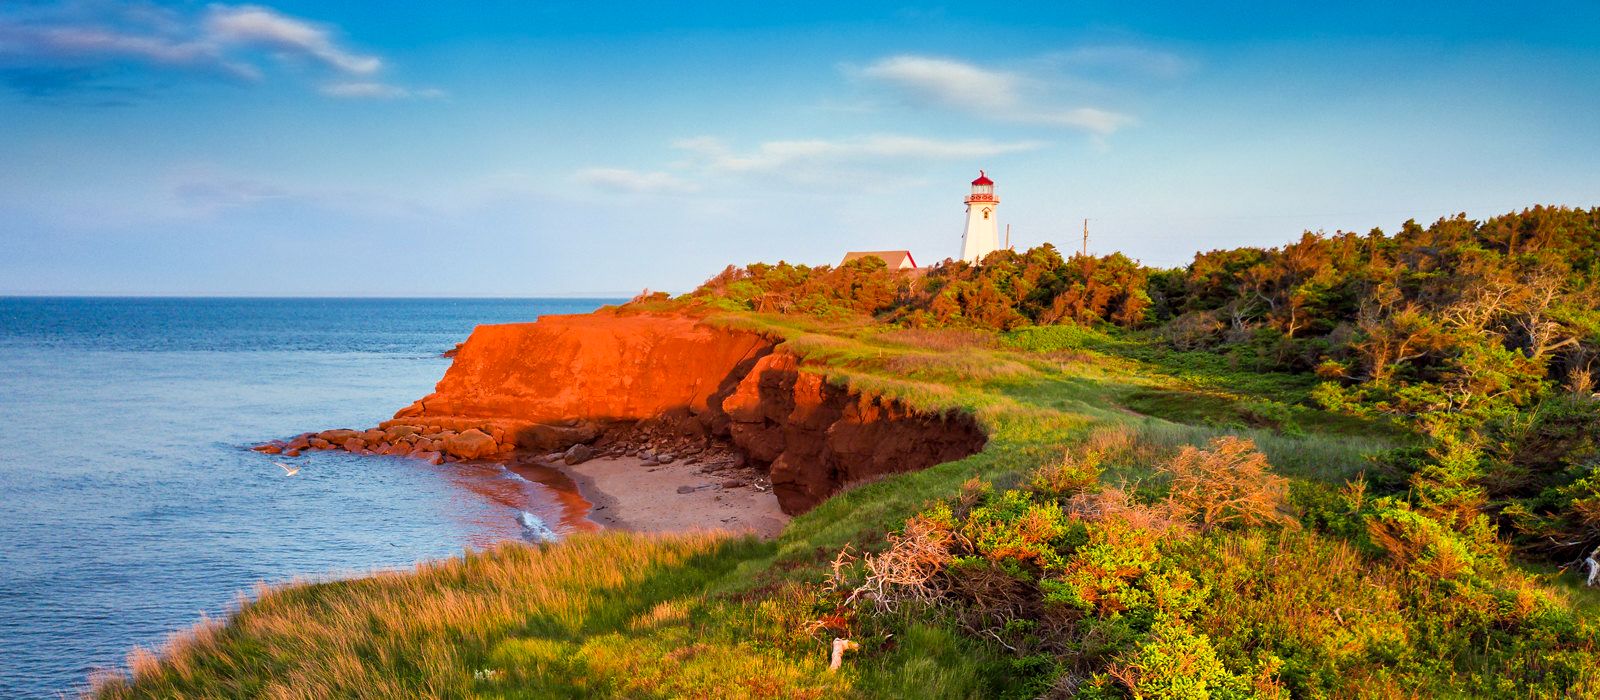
x=597 y=149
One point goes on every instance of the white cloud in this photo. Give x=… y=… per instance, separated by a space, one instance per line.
x=69 y=46
x=93 y=46
x=635 y=181
x=376 y=90
x=777 y=155
x=992 y=94
x=948 y=83
x=1098 y=121
x=254 y=25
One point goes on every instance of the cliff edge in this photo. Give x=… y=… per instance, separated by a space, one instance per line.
x=594 y=379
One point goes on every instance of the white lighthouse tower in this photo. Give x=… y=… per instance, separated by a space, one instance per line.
x=982 y=236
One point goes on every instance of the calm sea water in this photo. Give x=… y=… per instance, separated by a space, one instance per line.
x=131 y=505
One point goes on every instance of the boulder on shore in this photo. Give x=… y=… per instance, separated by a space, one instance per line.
x=337 y=437
x=471 y=444
x=578 y=454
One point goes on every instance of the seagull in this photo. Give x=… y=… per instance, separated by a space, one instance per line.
x=288 y=470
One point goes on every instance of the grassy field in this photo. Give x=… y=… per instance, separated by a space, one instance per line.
x=1308 y=612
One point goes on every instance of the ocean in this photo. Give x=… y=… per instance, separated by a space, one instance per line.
x=132 y=505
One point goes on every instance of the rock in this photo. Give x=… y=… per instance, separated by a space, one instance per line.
x=320 y=444
x=337 y=437
x=734 y=484
x=430 y=457
x=471 y=444
x=687 y=489
x=299 y=443
x=396 y=433
x=373 y=436
x=269 y=448
x=553 y=457
x=664 y=459
x=355 y=444
x=578 y=454
x=291 y=453
x=547 y=436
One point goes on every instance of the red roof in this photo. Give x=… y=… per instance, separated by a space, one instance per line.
x=982 y=179
x=895 y=259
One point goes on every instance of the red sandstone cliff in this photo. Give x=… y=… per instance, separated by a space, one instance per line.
x=568 y=379
x=556 y=381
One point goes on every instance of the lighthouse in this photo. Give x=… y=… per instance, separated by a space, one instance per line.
x=982 y=236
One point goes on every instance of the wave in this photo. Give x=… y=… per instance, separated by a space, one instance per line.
x=534 y=529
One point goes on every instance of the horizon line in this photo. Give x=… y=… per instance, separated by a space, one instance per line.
x=115 y=295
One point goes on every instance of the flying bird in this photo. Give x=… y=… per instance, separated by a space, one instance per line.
x=288 y=470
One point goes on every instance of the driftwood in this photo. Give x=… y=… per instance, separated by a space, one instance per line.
x=1593 y=562
x=840 y=646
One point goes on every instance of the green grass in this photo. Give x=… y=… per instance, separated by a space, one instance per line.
x=620 y=615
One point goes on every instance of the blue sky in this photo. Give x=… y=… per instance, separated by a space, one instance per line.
x=511 y=148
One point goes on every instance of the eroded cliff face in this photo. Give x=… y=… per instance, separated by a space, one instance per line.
x=819 y=437
x=566 y=380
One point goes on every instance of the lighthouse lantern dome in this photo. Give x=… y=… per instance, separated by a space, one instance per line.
x=982 y=189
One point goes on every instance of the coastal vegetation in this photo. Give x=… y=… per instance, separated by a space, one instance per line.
x=1350 y=466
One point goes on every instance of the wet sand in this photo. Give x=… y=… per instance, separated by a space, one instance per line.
x=630 y=495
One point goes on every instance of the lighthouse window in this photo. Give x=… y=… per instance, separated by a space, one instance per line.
x=986 y=213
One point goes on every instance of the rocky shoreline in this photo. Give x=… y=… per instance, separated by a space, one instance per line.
x=435 y=444
x=641 y=478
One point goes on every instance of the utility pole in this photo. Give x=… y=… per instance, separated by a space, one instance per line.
x=1008 y=236
x=1086 y=238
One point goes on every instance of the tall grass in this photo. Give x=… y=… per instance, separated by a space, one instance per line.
x=572 y=616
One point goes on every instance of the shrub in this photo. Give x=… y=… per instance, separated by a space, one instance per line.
x=1229 y=483
x=1074 y=473
x=1426 y=547
x=1175 y=663
x=1017 y=528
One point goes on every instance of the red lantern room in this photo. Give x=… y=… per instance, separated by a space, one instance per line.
x=982 y=189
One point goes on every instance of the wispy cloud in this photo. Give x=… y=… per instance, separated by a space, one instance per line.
x=997 y=95
x=635 y=181
x=769 y=156
x=214 y=192
x=93 y=47
x=948 y=83
x=375 y=90
x=252 y=25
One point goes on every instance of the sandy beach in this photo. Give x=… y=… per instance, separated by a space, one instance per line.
x=629 y=494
